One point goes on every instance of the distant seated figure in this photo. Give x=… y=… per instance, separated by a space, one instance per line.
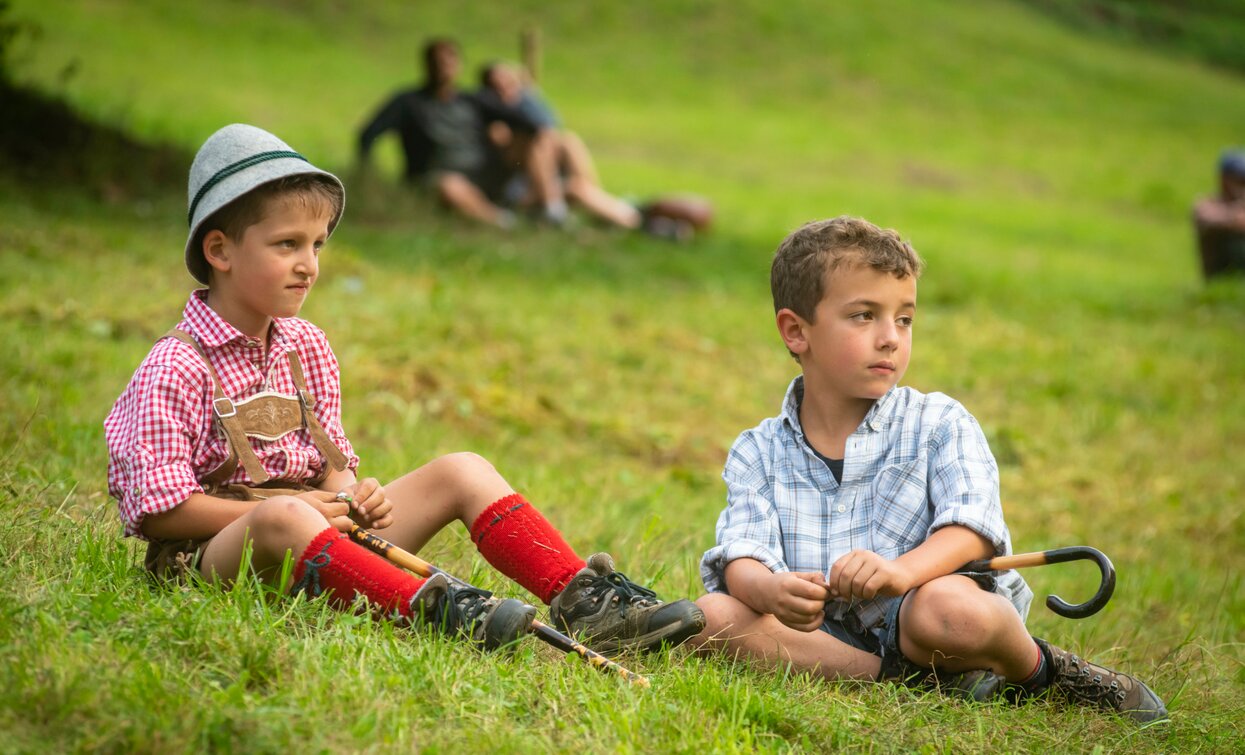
x=1220 y=221
x=446 y=145
x=507 y=85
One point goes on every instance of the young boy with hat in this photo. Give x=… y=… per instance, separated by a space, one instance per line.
x=229 y=438
x=848 y=513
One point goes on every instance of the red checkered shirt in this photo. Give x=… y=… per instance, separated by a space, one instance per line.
x=160 y=433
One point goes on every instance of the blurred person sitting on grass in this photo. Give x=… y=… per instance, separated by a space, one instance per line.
x=227 y=452
x=1220 y=220
x=848 y=513
x=507 y=85
x=445 y=137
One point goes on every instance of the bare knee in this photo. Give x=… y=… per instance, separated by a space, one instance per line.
x=462 y=469
x=283 y=523
x=578 y=188
x=454 y=189
x=725 y=617
x=544 y=142
x=951 y=617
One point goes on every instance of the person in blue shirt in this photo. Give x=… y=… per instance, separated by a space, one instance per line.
x=444 y=134
x=848 y=514
x=505 y=86
x=676 y=217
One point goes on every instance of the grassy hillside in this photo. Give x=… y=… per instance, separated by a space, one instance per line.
x=1208 y=30
x=1045 y=176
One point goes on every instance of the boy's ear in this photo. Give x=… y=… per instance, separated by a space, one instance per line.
x=216 y=250
x=791 y=328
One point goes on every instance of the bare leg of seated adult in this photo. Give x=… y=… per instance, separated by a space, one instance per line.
x=583 y=185
x=575 y=159
x=600 y=203
x=461 y=195
x=541 y=165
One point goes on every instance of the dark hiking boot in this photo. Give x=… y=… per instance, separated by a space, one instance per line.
x=471 y=613
x=610 y=613
x=1085 y=683
x=978 y=685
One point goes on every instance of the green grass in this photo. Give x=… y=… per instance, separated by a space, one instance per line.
x=1045 y=176
x=1209 y=30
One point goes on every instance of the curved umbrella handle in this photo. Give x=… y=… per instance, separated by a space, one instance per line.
x=1058 y=556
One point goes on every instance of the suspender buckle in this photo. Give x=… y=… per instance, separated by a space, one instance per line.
x=309 y=401
x=229 y=409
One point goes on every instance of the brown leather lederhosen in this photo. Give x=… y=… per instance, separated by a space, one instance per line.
x=266 y=415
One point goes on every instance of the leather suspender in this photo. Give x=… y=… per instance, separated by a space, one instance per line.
x=239 y=447
x=227 y=416
x=329 y=449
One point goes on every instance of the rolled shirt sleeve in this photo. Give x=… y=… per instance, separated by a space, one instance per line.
x=964 y=491
x=964 y=482
x=149 y=435
x=749 y=525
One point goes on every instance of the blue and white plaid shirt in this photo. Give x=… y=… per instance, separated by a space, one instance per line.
x=917 y=462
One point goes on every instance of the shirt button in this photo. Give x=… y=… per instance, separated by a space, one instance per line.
x=842 y=508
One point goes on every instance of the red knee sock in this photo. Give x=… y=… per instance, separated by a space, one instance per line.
x=333 y=562
x=513 y=537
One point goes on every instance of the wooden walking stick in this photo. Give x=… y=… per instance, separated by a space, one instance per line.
x=543 y=632
x=529 y=51
x=1058 y=556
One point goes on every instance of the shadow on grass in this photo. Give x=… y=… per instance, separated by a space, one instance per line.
x=46 y=144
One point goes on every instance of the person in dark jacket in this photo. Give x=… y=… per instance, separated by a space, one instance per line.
x=444 y=135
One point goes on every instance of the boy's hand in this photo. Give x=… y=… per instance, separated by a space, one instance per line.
x=334 y=510
x=865 y=575
x=371 y=508
x=798 y=599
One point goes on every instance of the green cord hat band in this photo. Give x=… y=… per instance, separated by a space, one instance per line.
x=229 y=170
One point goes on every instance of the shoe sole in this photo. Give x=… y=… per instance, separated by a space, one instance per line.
x=508 y=623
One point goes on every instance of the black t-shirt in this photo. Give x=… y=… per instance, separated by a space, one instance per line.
x=835 y=465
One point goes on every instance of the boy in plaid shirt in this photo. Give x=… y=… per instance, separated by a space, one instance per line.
x=229 y=436
x=848 y=513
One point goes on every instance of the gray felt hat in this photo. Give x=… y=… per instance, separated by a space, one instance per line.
x=233 y=161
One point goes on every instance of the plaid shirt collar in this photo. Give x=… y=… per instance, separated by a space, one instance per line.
x=213 y=332
x=879 y=416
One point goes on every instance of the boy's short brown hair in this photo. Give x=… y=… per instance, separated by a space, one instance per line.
x=311 y=190
x=798 y=274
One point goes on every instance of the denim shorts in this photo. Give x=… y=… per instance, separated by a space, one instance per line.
x=883 y=639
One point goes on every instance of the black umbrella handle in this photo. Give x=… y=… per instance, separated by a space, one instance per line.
x=1058 y=556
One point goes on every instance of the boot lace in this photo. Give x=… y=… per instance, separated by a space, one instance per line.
x=462 y=609
x=623 y=590
x=1093 y=684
